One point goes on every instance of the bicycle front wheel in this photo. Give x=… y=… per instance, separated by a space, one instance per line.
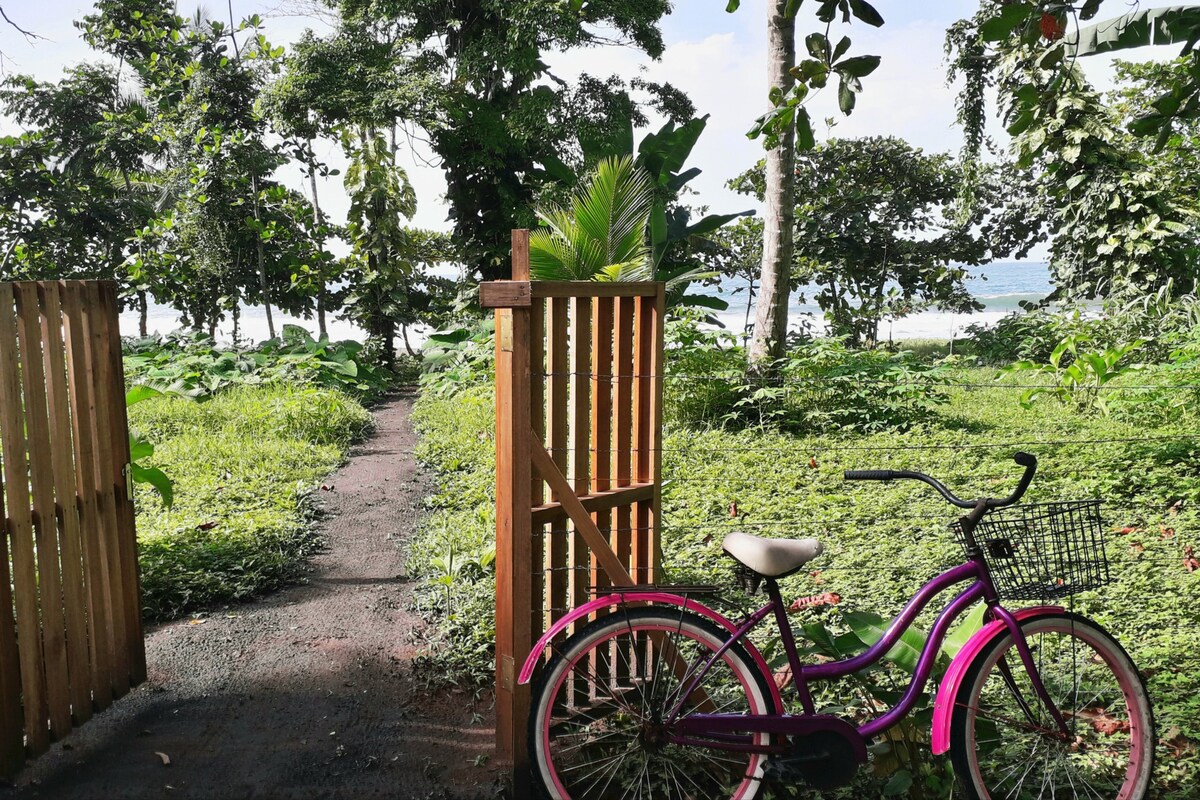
x=596 y=725
x=1005 y=744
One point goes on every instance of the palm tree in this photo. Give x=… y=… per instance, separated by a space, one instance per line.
x=602 y=235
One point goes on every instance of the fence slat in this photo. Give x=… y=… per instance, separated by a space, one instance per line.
x=91 y=520
x=601 y=437
x=623 y=413
x=20 y=516
x=12 y=734
x=106 y=486
x=45 y=517
x=118 y=426
x=557 y=408
x=62 y=452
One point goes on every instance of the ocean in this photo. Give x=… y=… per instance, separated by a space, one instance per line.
x=1000 y=286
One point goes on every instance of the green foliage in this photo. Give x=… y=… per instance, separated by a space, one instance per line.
x=457 y=444
x=821 y=385
x=193 y=364
x=603 y=234
x=460 y=357
x=1078 y=375
x=1123 y=219
x=825 y=61
x=879 y=230
x=244 y=464
x=884 y=540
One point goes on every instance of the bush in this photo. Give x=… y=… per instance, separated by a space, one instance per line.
x=244 y=465
x=821 y=385
x=193 y=364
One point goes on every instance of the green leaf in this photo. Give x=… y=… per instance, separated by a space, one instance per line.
x=859 y=66
x=866 y=12
x=818 y=46
x=157 y=479
x=732 y=6
x=898 y=784
x=964 y=630
x=871 y=628
x=1000 y=26
x=139 y=448
x=845 y=97
x=805 y=138
x=841 y=48
x=139 y=393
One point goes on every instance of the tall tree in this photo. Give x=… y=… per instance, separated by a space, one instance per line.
x=788 y=126
x=879 y=231
x=771 y=315
x=497 y=118
x=380 y=198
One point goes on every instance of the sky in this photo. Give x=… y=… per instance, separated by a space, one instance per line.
x=718 y=59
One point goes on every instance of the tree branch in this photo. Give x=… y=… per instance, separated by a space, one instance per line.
x=30 y=36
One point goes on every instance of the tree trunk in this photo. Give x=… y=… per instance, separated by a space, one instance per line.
x=407 y=347
x=774 y=291
x=143 y=313
x=262 y=270
x=312 y=183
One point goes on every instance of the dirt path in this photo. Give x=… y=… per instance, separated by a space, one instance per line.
x=304 y=695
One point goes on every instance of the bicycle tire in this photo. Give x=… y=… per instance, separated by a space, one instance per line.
x=553 y=680
x=1099 y=727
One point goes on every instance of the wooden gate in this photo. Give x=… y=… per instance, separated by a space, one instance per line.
x=578 y=475
x=70 y=621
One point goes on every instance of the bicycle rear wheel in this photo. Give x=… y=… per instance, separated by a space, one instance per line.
x=1004 y=743
x=596 y=724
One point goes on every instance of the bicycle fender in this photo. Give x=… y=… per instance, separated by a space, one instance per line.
x=943 y=707
x=622 y=598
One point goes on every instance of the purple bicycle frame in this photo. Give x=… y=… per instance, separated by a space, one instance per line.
x=716 y=727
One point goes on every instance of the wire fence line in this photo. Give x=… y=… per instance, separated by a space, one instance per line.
x=842 y=380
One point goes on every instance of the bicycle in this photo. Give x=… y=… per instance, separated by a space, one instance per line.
x=664 y=697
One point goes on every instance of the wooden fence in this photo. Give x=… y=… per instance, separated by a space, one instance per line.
x=578 y=477
x=70 y=621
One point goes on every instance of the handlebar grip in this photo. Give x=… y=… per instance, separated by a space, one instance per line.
x=869 y=475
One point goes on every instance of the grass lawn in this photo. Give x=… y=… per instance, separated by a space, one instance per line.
x=884 y=540
x=245 y=464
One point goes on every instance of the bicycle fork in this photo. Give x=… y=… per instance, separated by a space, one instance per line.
x=1035 y=678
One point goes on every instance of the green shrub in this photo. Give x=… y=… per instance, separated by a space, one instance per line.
x=244 y=465
x=192 y=363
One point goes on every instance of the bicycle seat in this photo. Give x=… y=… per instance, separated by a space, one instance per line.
x=771 y=558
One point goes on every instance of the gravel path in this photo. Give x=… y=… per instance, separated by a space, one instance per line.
x=306 y=694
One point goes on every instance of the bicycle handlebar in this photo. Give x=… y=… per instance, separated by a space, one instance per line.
x=1026 y=460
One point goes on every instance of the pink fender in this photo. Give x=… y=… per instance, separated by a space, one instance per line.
x=943 y=707
x=620 y=598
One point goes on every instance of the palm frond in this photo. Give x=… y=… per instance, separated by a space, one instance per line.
x=603 y=234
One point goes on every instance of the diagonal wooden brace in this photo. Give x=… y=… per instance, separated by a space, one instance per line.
x=596 y=541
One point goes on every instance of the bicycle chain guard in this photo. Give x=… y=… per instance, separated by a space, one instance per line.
x=822 y=759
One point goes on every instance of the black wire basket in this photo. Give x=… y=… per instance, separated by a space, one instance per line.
x=1042 y=551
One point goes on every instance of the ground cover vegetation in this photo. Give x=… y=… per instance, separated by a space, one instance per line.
x=773 y=466
x=234 y=443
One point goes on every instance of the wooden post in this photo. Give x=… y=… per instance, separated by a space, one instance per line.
x=514 y=528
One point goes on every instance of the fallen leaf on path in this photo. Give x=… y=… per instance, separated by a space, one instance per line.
x=166 y=759
x=197 y=621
